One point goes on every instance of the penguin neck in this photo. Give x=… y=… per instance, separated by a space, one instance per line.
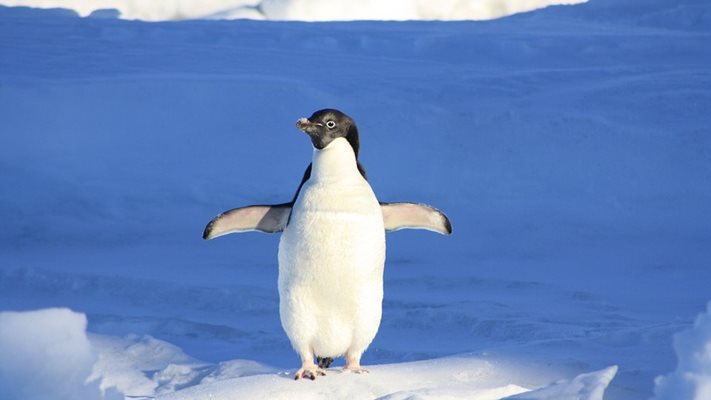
x=337 y=161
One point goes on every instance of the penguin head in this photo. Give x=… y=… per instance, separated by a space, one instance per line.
x=324 y=126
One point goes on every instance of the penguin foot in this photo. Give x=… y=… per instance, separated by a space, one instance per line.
x=356 y=370
x=353 y=364
x=309 y=372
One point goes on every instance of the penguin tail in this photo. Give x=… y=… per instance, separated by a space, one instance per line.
x=324 y=362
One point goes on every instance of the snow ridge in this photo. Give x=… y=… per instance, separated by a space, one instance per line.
x=296 y=10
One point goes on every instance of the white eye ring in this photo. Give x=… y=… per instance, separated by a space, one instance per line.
x=330 y=124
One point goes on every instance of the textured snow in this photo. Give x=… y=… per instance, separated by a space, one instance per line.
x=588 y=386
x=302 y=10
x=141 y=366
x=692 y=377
x=448 y=378
x=48 y=352
x=569 y=146
x=44 y=353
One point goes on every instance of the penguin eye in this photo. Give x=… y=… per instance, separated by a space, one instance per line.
x=330 y=124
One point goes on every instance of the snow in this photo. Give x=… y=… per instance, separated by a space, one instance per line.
x=589 y=386
x=141 y=366
x=447 y=378
x=46 y=351
x=301 y=10
x=569 y=146
x=692 y=377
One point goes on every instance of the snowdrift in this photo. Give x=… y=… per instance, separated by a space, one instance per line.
x=46 y=353
x=300 y=10
x=692 y=377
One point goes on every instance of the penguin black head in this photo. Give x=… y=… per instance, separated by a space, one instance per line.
x=325 y=125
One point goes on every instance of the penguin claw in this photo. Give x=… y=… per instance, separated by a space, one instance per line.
x=309 y=373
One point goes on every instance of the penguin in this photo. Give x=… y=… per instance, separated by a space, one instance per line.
x=332 y=247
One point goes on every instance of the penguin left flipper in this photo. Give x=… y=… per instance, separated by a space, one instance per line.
x=263 y=218
x=398 y=216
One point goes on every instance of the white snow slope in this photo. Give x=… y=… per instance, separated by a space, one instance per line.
x=692 y=378
x=301 y=10
x=570 y=147
x=46 y=353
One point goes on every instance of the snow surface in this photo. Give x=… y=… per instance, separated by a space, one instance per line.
x=590 y=386
x=692 y=377
x=570 y=147
x=301 y=10
x=45 y=353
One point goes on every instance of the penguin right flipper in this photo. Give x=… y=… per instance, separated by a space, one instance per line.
x=398 y=216
x=263 y=218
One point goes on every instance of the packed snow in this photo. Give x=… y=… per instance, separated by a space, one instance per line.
x=569 y=146
x=300 y=10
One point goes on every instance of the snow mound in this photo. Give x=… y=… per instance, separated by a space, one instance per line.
x=439 y=378
x=46 y=353
x=142 y=366
x=236 y=369
x=304 y=10
x=444 y=378
x=343 y=10
x=692 y=378
x=589 y=386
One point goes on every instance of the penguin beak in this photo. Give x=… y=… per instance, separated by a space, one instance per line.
x=305 y=125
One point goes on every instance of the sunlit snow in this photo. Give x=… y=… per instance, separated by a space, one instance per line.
x=302 y=10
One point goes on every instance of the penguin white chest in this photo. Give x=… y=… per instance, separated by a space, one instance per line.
x=331 y=258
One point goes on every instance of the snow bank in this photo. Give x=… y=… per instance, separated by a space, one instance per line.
x=452 y=377
x=483 y=378
x=305 y=10
x=589 y=386
x=141 y=366
x=46 y=353
x=340 y=10
x=692 y=378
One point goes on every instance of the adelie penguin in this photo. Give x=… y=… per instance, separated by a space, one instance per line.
x=332 y=247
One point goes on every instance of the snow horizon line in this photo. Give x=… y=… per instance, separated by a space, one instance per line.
x=294 y=10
